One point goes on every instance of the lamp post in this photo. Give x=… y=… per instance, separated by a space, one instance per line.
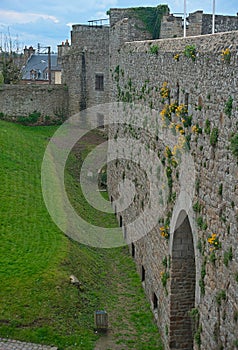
x=213 y=17
x=184 y=20
x=49 y=65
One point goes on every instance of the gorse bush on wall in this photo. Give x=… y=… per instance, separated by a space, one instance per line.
x=190 y=52
x=228 y=106
x=214 y=136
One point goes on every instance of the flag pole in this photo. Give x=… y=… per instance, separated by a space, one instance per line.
x=213 y=17
x=184 y=20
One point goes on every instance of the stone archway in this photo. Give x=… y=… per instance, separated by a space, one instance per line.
x=183 y=281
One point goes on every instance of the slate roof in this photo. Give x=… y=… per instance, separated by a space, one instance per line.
x=39 y=63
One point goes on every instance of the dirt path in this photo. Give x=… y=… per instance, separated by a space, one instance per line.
x=108 y=342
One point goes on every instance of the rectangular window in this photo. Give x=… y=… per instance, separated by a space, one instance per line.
x=99 y=83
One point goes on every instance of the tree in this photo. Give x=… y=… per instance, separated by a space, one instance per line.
x=1 y=78
x=11 y=72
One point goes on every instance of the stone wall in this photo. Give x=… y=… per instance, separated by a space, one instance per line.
x=222 y=23
x=88 y=57
x=198 y=23
x=184 y=267
x=22 y=100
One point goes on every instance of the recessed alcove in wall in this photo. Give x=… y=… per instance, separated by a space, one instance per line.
x=133 y=251
x=142 y=273
x=155 y=301
x=183 y=281
x=120 y=221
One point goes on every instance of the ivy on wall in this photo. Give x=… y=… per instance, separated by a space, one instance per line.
x=151 y=17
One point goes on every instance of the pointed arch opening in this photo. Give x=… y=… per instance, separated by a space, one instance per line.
x=183 y=284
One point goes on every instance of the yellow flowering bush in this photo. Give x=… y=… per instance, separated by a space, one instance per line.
x=181 y=144
x=173 y=107
x=166 y=113
x=169 y=155
x=176 y=57
x=179 y=128
x=181 y=110
x=174 y=162
x=195 y=129
x=167 y=152
x=226 y=54
x=164 y=231
x=213 y=240
x=164 y=91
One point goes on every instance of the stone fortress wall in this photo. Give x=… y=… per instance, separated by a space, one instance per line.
x=192 y=284
x=192 y=289
x=198 y=23
x=182 y=273
x=22 y=100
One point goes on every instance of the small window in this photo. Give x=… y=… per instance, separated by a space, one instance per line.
x=142 y=273
x=99 y=83
x=155 y=301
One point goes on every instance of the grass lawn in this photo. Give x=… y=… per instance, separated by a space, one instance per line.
x=37 y=302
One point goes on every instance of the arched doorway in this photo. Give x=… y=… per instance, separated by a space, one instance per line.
x=183 y=280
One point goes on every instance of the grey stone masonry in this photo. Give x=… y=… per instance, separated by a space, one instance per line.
x=10 y=344
x=21 y=100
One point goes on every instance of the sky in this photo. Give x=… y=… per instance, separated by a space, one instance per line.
x=48 y=22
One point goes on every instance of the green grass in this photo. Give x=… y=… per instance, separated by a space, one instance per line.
x=37 y=302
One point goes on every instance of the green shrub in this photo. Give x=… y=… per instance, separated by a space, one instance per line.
x=234 y=145
x=220 y=189
x=1 y=78
x=220 y=296
x=197 y=336
x=197 y=207
x=154 y=49
x=207 y=128
x=33 y=118
x=227 y=257
x=214 y=137
x=190 y=52
x=212 y=257
x=202 y=224
x=165 y=262
x=228 y=106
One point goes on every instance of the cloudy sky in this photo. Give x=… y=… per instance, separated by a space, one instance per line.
x=48 y=22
